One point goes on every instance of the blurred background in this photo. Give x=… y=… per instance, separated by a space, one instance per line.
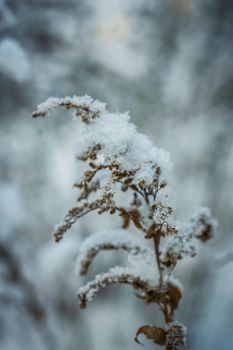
x=170 y=63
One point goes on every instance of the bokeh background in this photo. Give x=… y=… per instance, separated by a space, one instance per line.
x=170 y=63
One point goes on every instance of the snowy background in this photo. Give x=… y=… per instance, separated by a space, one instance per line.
x=169 y=62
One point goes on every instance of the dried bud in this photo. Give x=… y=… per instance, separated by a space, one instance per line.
x=162 y=184
x=176 y=336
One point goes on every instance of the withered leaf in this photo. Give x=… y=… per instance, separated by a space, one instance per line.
x=151 y=232
x=135 y=217
x=126 y=222
x=156 y=334
x=125 y=217
x=174 y=295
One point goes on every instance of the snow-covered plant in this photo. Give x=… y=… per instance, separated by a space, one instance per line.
x=124 y=174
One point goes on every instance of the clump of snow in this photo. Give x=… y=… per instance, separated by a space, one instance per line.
x=113 y=132
x=143 y=264
x=119 y=139
x=85 y=101
x=164 y=208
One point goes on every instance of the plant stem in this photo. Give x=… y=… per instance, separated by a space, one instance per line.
x=157 y=256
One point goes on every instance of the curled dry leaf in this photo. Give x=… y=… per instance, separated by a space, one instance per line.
x=156 y=334
x=174 y=296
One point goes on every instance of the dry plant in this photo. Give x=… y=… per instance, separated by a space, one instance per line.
x=124 y=174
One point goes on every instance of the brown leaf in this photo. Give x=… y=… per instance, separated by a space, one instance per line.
x=153 y=295
x=135 y=217
x=151 y=232
x=174 y=296
x=125 y=217
x=156 y=334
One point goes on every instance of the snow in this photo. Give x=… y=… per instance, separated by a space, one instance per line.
x=174 y=281
x=85 y=100
x=118 y=137
x=117 y=238
x=164 y=206
x=114 y=275
x=140 y=255
x=144 y=265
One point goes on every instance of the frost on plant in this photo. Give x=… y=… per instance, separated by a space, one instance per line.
x=124 y=174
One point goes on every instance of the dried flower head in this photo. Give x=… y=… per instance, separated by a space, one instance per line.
x=120 y=160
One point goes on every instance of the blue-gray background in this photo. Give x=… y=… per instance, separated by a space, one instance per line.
x=170 y=63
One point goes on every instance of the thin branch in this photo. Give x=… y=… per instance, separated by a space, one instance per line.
x=116 y=275
x=85 y=107
x=115 y=240
x=72 y=216
x=157 y=257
